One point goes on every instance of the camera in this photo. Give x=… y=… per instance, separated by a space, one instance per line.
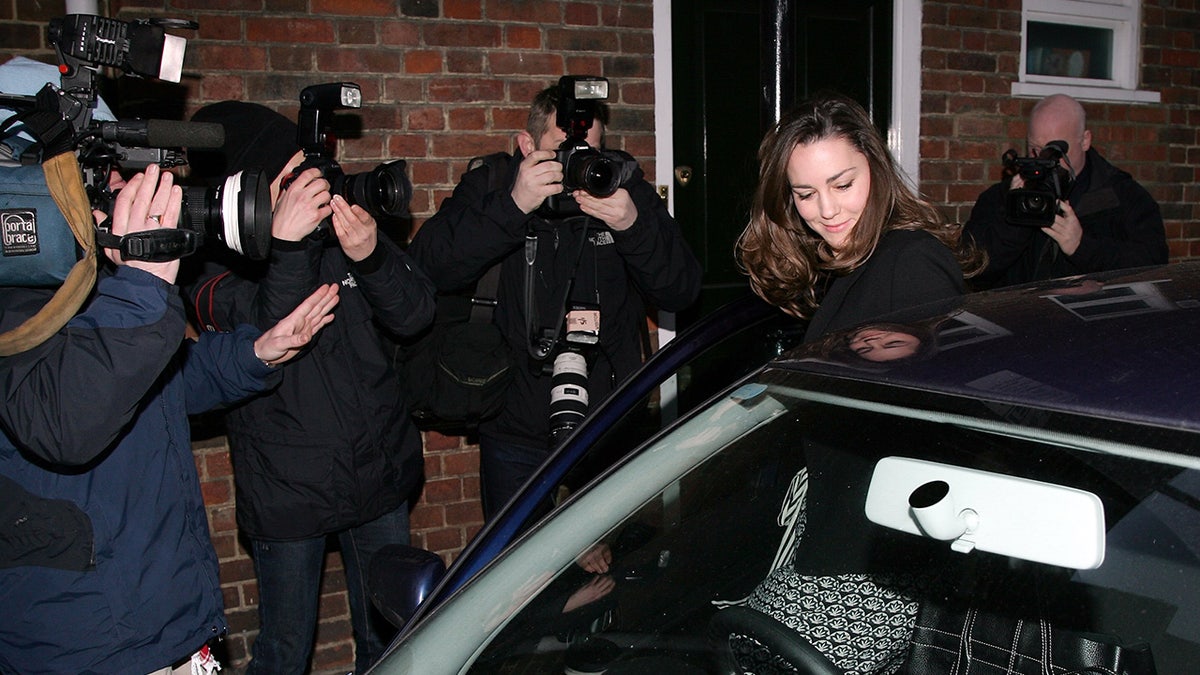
x=1046 y=180
x=237 y=214
x=384 y=192
x=569 y=373
x=598 y=172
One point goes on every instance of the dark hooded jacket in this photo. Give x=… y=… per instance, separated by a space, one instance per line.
x=1122 y=227
x=332 y=447
x=105 y=560
x=621 y=272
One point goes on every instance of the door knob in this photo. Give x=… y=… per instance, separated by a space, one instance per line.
x=683 y=175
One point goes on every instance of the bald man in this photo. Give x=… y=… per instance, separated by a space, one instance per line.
x=1107 y=221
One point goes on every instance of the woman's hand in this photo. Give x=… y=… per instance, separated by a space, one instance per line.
x=286 y=338
x=149 y=201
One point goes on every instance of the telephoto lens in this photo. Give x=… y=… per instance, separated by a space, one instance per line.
x=384 y=192
x=568 y=394
x=236 y=213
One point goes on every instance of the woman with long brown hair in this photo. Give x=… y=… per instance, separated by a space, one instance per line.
x=835 y=233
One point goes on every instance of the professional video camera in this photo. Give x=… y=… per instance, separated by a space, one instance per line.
x=1046 y=180
x=597 y=172
x=237 y=213
x=383 y=191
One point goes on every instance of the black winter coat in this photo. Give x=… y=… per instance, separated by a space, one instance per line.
x=907 y=268
x=332 y=447
x=1122 y=227
x=621 y=271
x=105 y=560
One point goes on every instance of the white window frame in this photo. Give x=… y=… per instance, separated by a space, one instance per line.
x=1122 y=17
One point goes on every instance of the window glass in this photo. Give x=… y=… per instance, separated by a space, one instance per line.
x=1060 y=50
x=769 y=518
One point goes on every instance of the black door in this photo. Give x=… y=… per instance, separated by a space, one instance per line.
x=737 y=62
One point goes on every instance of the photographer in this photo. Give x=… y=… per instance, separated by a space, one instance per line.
x=105 y=555
x=331 y=451
x=1107 y=221
x=615 y=253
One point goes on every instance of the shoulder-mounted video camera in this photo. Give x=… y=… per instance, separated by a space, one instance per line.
x=1046 y=180
x=383 y=192
x=598 y=172
x=237 y=213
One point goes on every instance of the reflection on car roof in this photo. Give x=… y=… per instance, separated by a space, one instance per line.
x=1112 y=345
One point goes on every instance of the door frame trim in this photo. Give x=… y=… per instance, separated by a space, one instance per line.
x=904 y=139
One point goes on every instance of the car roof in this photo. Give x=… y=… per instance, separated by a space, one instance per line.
x=1120 y=345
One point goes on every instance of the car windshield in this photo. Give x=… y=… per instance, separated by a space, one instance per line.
x=780 y=522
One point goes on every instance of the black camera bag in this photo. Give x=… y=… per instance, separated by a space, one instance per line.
x=457 y=373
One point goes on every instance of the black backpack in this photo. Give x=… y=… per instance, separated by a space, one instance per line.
x=457 y=373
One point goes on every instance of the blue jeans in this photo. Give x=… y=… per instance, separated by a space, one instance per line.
x=289 y=580
x=503 y=469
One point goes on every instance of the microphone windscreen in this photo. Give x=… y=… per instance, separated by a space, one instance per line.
x=172 y=134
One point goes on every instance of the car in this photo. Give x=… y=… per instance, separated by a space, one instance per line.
x=1006 y=482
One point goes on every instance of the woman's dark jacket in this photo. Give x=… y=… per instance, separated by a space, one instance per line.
x=332 y=446
x=620 y=271
x=907 y=268
x=105 y=560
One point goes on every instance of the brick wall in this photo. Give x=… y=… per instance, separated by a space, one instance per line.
x=970 y=58
x=442 y=81
x=446 y=80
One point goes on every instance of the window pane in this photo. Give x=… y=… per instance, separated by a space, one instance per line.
x=1060 y=50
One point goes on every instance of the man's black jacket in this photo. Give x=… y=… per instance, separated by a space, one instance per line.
x=621 y=271
x=332 y=447
x=1122 y=227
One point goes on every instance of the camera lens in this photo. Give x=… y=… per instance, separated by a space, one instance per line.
x=592 y=172
x=1034 y=203
x=383 y=192
x=568 y=394
x=236 y=213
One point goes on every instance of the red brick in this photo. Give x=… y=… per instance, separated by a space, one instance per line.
x=444 y=540
x=468 y=119
x=464 y=513
x=465 y=90
x=427 y=61
x=217 y=465
x=460 y=35
x=217 y=491
x=289 y=30
x=427 y=517
x=536 y=11
x=522 y=37
x=222 y=519
x=354 y=7
x=425 y=118
x=580 y=14
x=462 y=9
x=228 y=57
x=357 y=32
x=523 y=63
x=442 y=491
x=399 y=33
x=217 y=27
x=626 y=15
x=357 y=60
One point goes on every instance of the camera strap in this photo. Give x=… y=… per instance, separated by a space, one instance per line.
x=65 y=181
x=52 y=134
x=162 y=245
x=540 y=346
